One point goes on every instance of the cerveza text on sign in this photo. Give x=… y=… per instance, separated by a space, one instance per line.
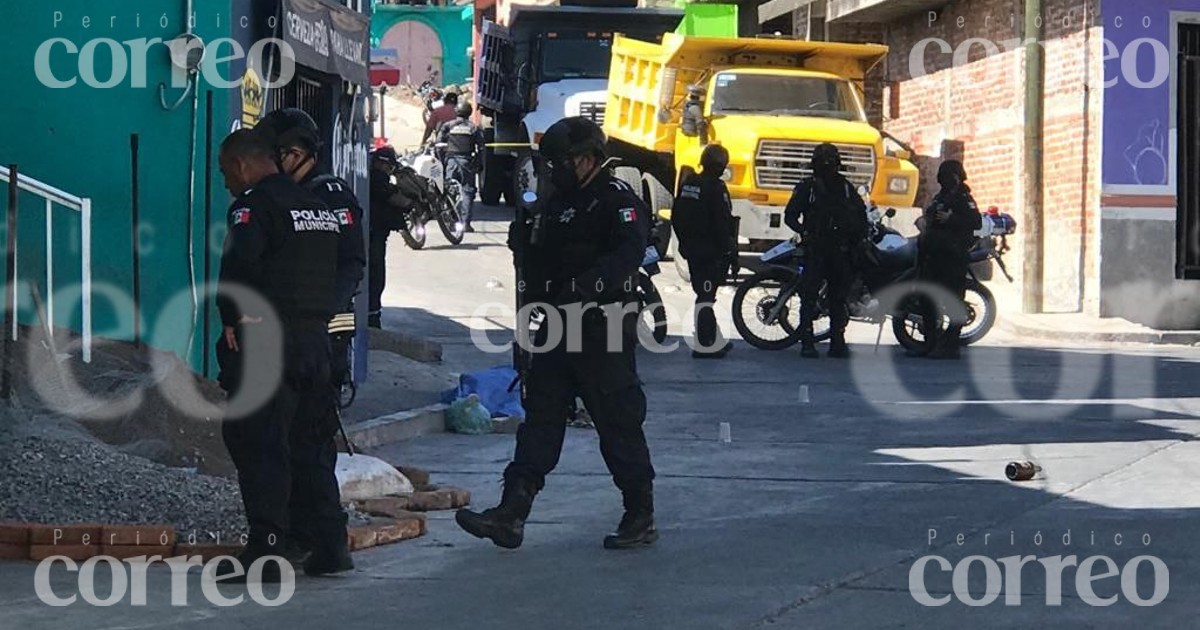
x=313 y=34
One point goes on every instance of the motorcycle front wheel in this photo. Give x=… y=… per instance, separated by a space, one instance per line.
x=757 y=315
x=414 y=230
x=981 y=313
x=908 y=321
x=449 y=219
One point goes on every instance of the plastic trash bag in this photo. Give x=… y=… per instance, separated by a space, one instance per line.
x=491 y=386
x=468 y=416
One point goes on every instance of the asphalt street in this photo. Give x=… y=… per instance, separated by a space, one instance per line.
x=839 y=476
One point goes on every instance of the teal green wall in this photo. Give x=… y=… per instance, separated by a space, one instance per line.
x=452 y=24
x=77 y=139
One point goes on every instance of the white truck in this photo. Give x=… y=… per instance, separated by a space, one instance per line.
x=547 y=63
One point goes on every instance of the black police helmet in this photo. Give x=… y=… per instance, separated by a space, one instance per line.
x=952 y=168
x=291 y=127
x=826 y=159
x=386 y=154
x=571 y=137
x=463 y=110
x=714 y=159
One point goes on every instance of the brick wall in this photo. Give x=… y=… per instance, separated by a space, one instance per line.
x=973 y=109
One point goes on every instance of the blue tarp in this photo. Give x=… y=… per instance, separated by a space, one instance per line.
x=492 y=388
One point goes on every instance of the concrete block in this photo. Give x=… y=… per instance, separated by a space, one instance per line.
x=398 y=427
x=364 y=477
x=415 y=348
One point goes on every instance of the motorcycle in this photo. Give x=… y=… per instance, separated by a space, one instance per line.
x=438 y=199
x=431 y=96
x=766 y=307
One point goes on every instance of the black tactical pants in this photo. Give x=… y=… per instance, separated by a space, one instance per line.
x=377 y=272
x=708 y=275
x=829 y=268
x=607 y=382
x=458 y=168
x=285 y=458
x=946 y=266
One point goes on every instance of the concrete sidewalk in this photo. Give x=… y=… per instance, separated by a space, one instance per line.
x=1076 y=327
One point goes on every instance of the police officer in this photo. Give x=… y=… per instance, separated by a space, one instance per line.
x=388 y=205
x=834 y=222
x=297 y=141
x=702 y=218
x=464 y=149
x=949 y=225
x=282 y=248
x=591 y=246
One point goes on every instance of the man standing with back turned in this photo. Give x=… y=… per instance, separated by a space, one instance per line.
x=281 y=249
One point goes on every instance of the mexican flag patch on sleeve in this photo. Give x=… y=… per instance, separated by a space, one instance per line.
x=628 y=215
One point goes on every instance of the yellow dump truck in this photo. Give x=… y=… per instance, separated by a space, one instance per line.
x=768 y=101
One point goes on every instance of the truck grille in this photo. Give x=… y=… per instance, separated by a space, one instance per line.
x=781 y=164
x=593 y=112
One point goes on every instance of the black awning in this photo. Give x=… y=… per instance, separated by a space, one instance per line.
x=328 y=37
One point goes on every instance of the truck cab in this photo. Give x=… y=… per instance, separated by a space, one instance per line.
x=769 y=102
x=548 y=63
x=771 y=119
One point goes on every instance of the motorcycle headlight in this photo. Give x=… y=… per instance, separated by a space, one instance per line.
x=898 y=185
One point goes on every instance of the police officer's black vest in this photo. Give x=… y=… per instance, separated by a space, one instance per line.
x=301 y=256
x=460 y=138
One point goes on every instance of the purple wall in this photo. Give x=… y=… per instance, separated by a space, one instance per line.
x=1137 y=96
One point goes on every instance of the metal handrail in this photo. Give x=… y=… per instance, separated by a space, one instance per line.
x=83 y=205
x=44 y=190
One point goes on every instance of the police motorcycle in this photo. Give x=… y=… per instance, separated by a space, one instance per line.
x=437 y=198
x=766 y=307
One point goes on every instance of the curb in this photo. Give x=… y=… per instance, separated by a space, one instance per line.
x=397 y=427
x=415 y=348
x=1182 y=338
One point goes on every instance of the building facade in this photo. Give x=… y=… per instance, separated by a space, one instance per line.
x=84 y=81
x=1117 y=136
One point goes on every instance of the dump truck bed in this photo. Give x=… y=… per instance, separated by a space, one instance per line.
x=646 y=78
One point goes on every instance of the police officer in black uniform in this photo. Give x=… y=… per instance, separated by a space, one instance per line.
x=297 y=141
x=834 y=222
x=464 y=149
x=389 y=203
x=702 y=218
x=949 y=225
x=282 y=247
x=591 y=246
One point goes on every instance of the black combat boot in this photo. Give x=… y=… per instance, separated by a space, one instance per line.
x=948 y=344
x=329 y=560
x=808 y=347
x=504 y=524
x=837 y=346
x=637 y=525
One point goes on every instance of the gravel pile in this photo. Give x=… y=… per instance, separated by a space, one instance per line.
x=53 y=472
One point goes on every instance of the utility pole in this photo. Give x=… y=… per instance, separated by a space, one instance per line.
x=1035 y=93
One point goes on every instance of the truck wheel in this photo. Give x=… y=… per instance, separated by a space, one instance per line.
x=631 y=176
x=491 y=187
